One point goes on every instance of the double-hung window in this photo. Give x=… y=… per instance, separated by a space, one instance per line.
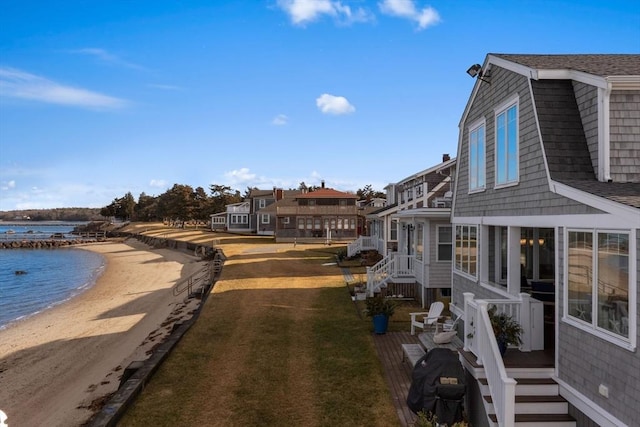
x=477 y=156
x=443 y=236
x=599 y=289
x=507 y=144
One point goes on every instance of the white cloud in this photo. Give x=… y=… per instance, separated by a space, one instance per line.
x=106 y=57
x=280 y=120
x=8 y=185
x=330 y=104
x=158 y=183
x=426 y=17
x=240 y=176
x=20 y=84
x=303 y=11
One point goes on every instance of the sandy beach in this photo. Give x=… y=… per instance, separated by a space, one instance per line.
x=53 y=366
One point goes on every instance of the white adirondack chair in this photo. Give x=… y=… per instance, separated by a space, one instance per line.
x=425 y=320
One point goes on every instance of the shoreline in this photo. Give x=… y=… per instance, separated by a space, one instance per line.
x=67 y=358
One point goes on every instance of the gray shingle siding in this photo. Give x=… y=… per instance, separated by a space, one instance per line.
x=531 y=196
x=624 y=134
x=587 y=100
x=585 y=361
x=439 y=271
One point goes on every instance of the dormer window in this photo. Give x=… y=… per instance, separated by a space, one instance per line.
x=507 y=168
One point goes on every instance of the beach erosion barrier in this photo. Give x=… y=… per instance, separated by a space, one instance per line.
x=45 y=243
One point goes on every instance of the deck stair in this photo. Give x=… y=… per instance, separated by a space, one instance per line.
x=537 y=397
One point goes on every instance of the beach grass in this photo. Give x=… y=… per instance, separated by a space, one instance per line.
x=279 y=342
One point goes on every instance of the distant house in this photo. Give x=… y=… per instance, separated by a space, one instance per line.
x=238 y=215
x=413 y=233
x=266 y=218
x=546 y=216
x=324 y=214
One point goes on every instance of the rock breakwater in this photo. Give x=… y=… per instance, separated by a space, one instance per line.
x=44 y=244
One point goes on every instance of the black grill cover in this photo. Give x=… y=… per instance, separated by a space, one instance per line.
x=427 y=394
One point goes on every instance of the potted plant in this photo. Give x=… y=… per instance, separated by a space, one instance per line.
x=361 y=289
x=506 y=329
x=379 y=309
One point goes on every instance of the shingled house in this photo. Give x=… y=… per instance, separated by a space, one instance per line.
x=546 y=217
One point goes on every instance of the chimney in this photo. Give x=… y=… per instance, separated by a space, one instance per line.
x=322 y=184
x=445 y=158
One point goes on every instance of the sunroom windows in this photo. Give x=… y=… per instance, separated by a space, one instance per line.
x=506 y=126
x=466 y=257
x=598 y=286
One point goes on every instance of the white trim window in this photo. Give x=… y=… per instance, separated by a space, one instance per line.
x=507 y=165
x=265 y=219
x=218 y=220
x=262 y=203
x=239 y=219
x=443 y=243
x=466 y=260
x=477 y=157
x=599 y=290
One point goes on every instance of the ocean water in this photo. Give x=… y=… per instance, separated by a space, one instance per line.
x=51 y=277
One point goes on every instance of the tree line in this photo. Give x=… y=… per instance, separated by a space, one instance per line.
x=179 y=203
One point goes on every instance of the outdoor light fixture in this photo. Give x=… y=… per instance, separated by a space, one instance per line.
x=476 y=71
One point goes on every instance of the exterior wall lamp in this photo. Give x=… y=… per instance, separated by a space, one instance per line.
x=476 y=71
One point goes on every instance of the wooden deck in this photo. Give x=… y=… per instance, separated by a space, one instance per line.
x=398 y=373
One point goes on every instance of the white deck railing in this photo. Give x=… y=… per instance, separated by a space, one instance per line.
x=362 y=243
x=394 y=265
x=480 y=340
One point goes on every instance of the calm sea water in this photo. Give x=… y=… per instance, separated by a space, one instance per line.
x=52 y=277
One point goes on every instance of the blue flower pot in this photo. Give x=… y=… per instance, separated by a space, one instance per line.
x=380 y=323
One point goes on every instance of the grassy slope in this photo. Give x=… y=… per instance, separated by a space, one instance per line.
x=279 y=342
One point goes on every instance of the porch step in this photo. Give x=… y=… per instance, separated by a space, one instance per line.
x=528 y=386
x=537 y=404
x=540 y=420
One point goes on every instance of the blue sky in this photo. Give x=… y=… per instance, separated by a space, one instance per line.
x=101 y=98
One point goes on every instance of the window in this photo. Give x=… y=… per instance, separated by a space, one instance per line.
x=239 y=219
x=443 y=242
x=309 y=223
x=476 y=158
x=317 y=223
x=218 y=220
x=507 y=145
x=262 y=203
x=393 y=232
x=598 y=280
x=466 y=249
x=352 y=223
x=419 y=241
x=285 y=220
x=265 y=219
x=300 y=223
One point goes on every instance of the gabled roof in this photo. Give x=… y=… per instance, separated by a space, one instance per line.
x=260 y=193
x=327 y=193
x=562 y=131
x=603 y=65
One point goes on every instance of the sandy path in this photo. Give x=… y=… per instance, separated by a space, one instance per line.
x=52 y=366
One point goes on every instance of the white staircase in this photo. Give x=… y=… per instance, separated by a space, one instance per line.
x=394 y=267
x=537 y=399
